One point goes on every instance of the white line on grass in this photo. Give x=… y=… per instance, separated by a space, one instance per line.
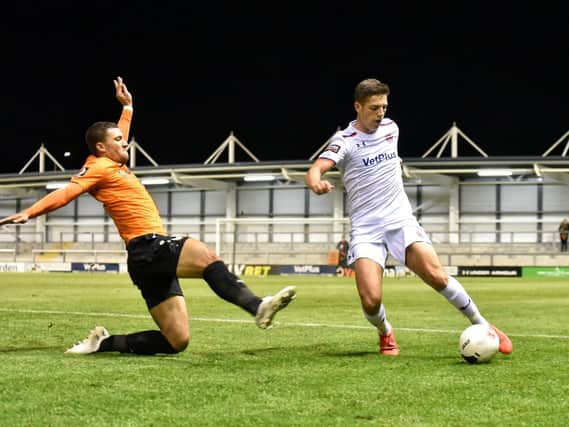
x=300 y=324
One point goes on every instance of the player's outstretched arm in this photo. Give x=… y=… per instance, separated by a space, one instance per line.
x=48 y=203
x=125 y=98
x=313 y=177
x=122 y=93
x=17 y=218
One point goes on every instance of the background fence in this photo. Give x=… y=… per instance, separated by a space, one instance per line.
x=284 y=241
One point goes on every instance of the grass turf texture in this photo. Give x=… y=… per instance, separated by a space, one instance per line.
x=318 y=365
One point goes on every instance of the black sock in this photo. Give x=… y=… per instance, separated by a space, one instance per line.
x=227 y=286
x=147 y=342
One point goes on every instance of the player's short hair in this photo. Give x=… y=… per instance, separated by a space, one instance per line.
x=369 y=87
x=97 y=132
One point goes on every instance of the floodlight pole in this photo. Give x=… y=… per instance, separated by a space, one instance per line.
x=550 y=149
x=132 y=148
x=452 y=136
x=229 y=144
x=42 y=153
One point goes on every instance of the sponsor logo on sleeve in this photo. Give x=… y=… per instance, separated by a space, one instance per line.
x=82 y=172
x=334 y=148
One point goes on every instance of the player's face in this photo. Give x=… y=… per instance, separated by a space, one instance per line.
x=115 y=147
x=371 y=113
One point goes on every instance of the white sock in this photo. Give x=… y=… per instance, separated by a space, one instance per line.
x=379 y=320
x=459 y=298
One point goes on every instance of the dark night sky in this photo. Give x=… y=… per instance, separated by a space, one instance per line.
x=281 y=79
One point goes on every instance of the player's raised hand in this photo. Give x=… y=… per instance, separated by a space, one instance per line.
x=122 y=93
x=17 y=218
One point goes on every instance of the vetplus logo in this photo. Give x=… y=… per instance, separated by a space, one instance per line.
x=371 y=161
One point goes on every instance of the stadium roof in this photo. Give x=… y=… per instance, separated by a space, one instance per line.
x=434 y=170
x=227 y=175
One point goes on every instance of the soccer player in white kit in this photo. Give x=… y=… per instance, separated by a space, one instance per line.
x=382 y=218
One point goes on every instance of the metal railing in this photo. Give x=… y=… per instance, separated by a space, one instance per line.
x=273 y=240
x=63 y=255
x=11 y=254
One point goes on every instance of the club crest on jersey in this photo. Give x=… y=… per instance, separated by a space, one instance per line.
x=334 y=148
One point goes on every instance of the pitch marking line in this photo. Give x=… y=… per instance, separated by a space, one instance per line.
x=299 y=324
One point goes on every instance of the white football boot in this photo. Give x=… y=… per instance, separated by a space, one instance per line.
x=270 y=305
x=92 y=343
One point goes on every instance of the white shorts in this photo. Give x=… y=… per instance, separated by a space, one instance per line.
x=393 y=242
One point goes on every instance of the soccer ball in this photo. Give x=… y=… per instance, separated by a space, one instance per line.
x=478 y=343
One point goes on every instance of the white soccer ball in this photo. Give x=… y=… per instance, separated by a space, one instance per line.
x=478 y=344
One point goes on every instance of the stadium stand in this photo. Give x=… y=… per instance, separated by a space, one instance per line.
x=508 y=219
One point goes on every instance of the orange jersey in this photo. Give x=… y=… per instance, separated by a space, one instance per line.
x=125 y=199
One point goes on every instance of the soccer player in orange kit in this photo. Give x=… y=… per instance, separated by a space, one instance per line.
x=155 y=260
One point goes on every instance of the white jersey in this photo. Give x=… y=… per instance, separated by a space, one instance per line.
x=371 y=173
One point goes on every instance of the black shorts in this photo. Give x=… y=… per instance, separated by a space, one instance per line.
x=152 y=261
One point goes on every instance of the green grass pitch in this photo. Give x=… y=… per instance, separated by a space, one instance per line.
x=317 y=367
